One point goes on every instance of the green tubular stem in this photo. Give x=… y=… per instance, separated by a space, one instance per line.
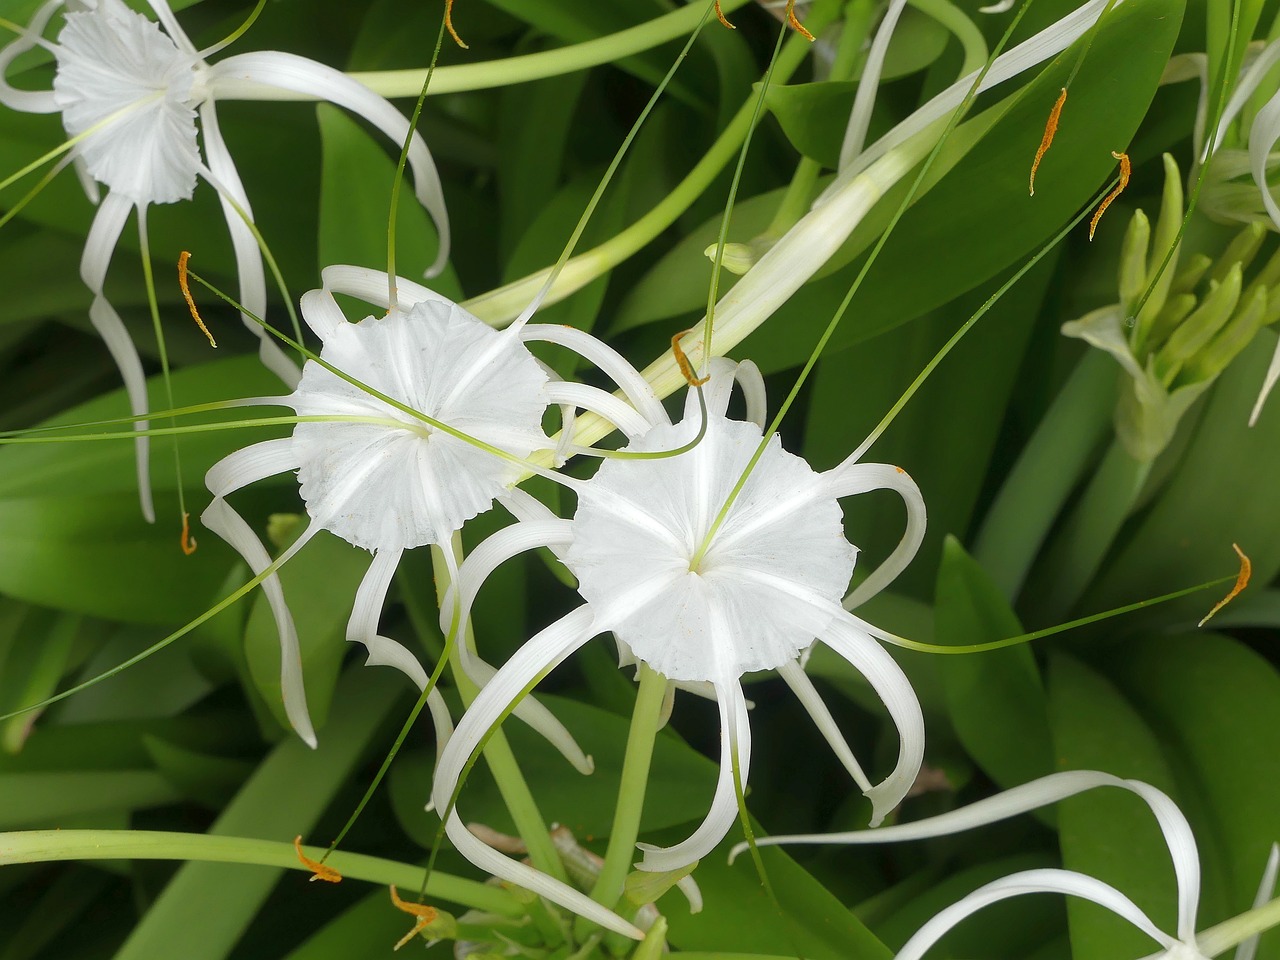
x=503 y=304
x=635 y=776
x=42 y=846
x=1053 y=461
x=1075 y=555
x=502 y=761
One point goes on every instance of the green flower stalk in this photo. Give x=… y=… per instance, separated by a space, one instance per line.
x=1174 y=332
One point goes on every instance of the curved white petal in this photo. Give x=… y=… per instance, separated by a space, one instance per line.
x=286 y=71
x=618 y=412
x=716 y=392
x=1266 y=888
x=1046 y=880
x=1273 y=374
x=894 y=690
x=371 y=286
x=171 y=26
x=231 y=527
x=855 y=133
x=1247 y=86
x=634 y=387
x=735 y=737
x=851 y=478
x=1262 y=137
x=104 y=234
x=751 y=382
x=225 y=179
x=27 y=101
x=692 y=892
x=321 y=313
x=249 y=465
x=811 y=700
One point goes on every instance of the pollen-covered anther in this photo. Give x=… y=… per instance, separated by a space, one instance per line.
x=682 y=361
x=1242 y=581
x=188 y=542
x=724 y=21
x=319 y=871
x=1046 y=141
x=183 y=282
x=448 y=24
x=795 y=23
x=422 y=913
x=1125 y=170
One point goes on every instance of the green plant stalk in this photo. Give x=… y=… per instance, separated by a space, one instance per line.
x=1076 y=553
x=1059 y=452
x=503 y=304
x=519 y=800
x=42 y=846
x=631 y=790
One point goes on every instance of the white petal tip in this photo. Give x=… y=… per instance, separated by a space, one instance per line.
x=587 y=766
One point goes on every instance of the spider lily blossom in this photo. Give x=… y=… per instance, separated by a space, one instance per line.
x=1039 y=793
x=387 y=477
x=702 y=603
x=137 y=95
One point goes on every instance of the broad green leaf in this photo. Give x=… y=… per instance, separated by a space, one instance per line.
x=1109 y=833
x=204 y=778
x=996 y=699
x=366 y=931
x=51 y=799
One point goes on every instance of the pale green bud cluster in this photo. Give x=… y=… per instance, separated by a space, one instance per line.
x=1175 y=330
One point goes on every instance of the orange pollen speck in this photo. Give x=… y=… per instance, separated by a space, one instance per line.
x=448 y=24
x=319 y=871
x=686 y=368
x=724 y=21
x=424 y=914
x=1242 y=581
x=188 y=541
x=1050 y=128
x=796 y=25
x=183 y=257
x=1125 y=169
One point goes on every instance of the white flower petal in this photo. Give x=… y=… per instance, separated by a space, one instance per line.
x=1247 y=86
x=104 y=234
x=735 y=736
x=1032 y=881
x=371 y=286
x=749 y=379
x=321 y=313
x=1262 y=138
x=1266 y=888
x=285 y=71
x=27 y=101
x=224 y=178
x=634 y=387
x=119 y=344
x=894 y=690
x=249 y=465
x=811 y=700
x=692 y=892
x=855 y=134
x=525 y=506
x=851 y=478
x=165 y=15
x=231 y=527
x=618 y=412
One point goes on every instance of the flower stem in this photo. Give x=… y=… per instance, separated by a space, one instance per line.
x=631 y=790
x=1057 y=455
x=40 y=846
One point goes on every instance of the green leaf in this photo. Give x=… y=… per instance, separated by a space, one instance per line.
x=996 y=699
x=1109 y=833
x=204 y=778
x=51 y=799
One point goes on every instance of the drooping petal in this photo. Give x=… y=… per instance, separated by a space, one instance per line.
x=371 y=286
x=895 y=691
x=27 y=101
x=618 y=412
x=224 y=178
x=321 y=312
x=1262 y=138
x=735 y=737
x=249 y=465
x=851 y=478
x=104 y=234
x=1266 y=888
x=811 y=700
x=286 y=71
x=1046 y=880
x=1273 y=374
x=1247 y=87
x=119 y=344
x=751 y=382
x=855 y=134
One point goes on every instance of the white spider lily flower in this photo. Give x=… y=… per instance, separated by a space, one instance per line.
x=390 y=478
x=1184 y=945
x=701 y=605
x=138 y=95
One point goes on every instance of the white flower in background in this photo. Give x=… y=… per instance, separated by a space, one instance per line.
x=702 y=604
x=389 y=479
x=1039 y=793
x=139 y=96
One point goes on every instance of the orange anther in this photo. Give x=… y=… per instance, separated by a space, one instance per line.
x=1242 y=581
x=1050 y=128
x=1106 y=201
x=448 y=24
x=796 y=25
x=188 y=541
x=724 y=21
x=423 y=913
x=686 y=368
x=319 y=871
x=183 y=257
